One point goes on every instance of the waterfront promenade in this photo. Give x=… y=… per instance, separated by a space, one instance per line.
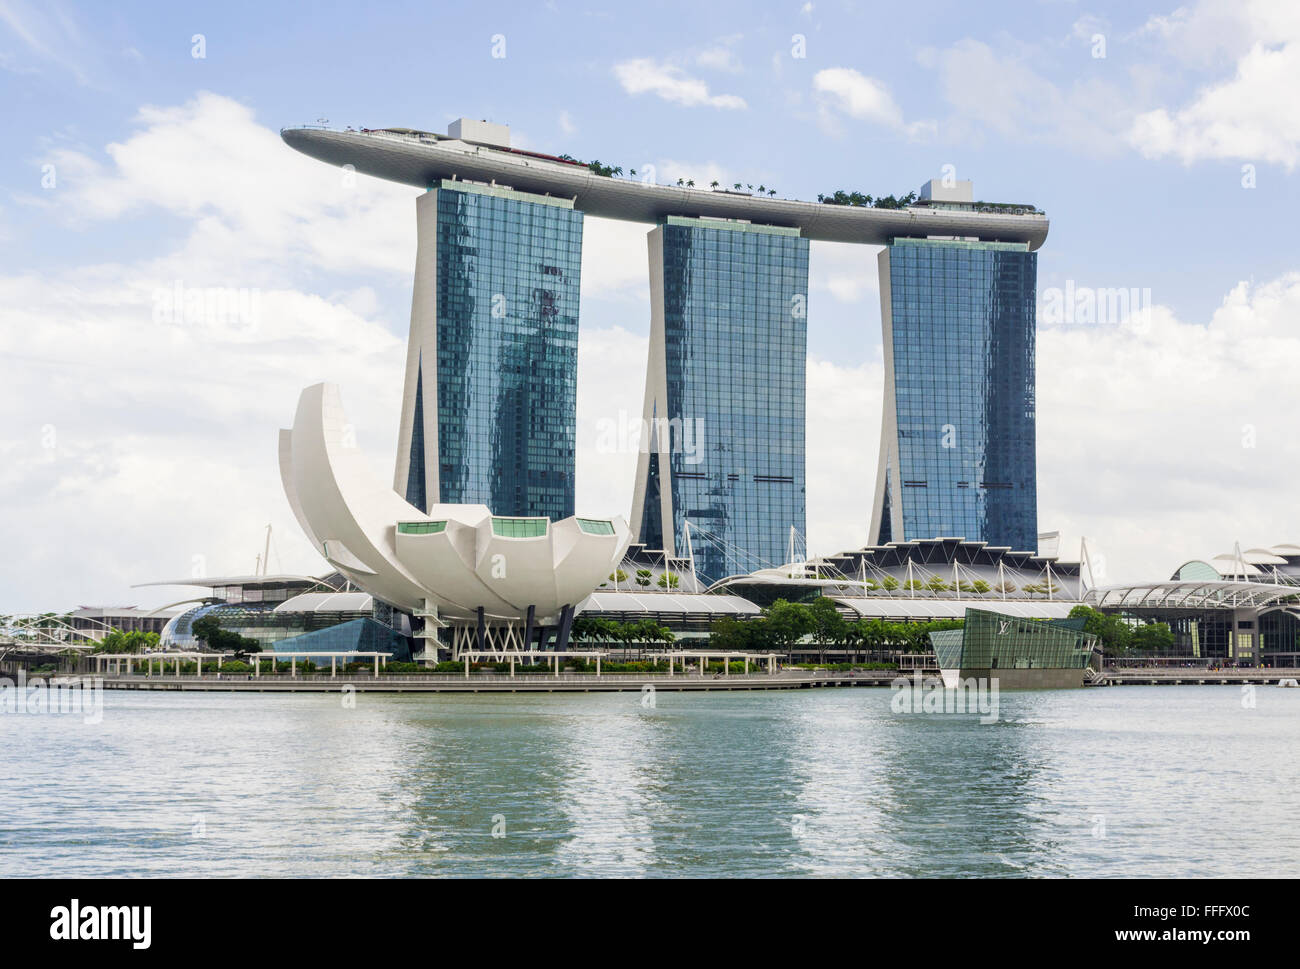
x=496 y=682
x=488 y=682
x=1192 y=676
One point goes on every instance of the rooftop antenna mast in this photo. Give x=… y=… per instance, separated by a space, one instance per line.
x=266 y=554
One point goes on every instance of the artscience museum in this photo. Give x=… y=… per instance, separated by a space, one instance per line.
x=488 y=580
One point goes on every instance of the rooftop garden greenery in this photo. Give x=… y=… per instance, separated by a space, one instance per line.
x=841 y=197
x=613 y=171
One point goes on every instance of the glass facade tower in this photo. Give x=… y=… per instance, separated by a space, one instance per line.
x=957 y=448
x=724 y=404
x=491 y=395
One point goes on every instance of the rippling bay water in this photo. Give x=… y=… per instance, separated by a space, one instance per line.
x=1127 y=781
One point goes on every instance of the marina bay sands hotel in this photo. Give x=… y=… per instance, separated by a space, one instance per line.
x=489 y=409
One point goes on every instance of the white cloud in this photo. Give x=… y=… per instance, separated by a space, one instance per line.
x=845 y=91
x=611 y=391
x=1008 y=91
x=703 y=174
x=1000 y=92
x=858 y=96
x=843 y=445
x=241 y=187
x=844 y=270
x=1255 y=116
x=645 y=75
x=721 y=56
x=1149 y=452
x=1212 y=31
x=133 y=446
x=615 y=261
x=566 y=123
x=48 y=34
x=1087 y=27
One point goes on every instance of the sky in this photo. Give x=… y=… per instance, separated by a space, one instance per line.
x=142 y=158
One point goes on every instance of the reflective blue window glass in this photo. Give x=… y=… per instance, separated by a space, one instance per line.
x=735 y=335
x=508 y=283
x=963 y=351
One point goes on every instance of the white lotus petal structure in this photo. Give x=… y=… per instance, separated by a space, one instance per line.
x=457 y=559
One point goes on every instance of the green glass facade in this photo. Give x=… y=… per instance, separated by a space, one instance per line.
x=519 y=527
x=421 y=528
x=992 y=641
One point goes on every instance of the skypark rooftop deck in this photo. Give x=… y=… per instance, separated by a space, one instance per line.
x=423 y=159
